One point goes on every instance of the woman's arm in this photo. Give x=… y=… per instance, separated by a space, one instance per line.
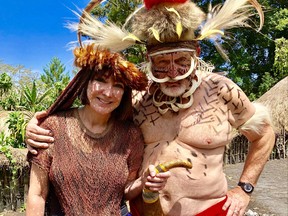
x=38 y=190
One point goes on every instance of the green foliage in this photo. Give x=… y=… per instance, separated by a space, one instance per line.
x=19 y=76
x=5 y=83
x=15 y=136
x=6 y=101
x=117 y=11
x=281 y=58
x=54 y=78
x=280 y=20
x=5 y=147
x=32 y=100
x=16 y=125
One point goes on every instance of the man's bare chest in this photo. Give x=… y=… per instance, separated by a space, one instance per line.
x=205 y=122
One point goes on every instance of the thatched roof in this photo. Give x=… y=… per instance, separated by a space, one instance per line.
x=18 y=155
x=276 y=99
x=3 y=118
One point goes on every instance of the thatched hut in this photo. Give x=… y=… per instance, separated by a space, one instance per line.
x=276 y=99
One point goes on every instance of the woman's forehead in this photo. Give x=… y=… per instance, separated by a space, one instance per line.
x=108 y=77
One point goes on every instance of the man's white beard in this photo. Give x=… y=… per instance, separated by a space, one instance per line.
x=175 y=89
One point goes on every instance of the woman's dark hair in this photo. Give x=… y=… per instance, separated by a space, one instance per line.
x=125 y=109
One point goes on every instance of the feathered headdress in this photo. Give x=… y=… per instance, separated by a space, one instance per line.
x=96 y=56
x=166 y=21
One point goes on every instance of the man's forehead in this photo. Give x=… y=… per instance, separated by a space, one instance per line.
x=183 y=51
x=173 y=55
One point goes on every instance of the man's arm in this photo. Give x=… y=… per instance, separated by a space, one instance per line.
x=260 y=134
x=37 y=137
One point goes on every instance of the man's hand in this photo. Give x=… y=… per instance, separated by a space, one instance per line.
x=37 y=137
x=237 y=202
x=156 y=181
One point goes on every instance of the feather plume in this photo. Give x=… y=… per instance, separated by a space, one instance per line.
x=234 y=13
x=107 y=35
x=221 y=51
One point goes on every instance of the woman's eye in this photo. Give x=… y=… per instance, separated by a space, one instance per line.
x=119 y=85
x=100 y=80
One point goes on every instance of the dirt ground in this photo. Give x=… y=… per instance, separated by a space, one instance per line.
x=270 y=197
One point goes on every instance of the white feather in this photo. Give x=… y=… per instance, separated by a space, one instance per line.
x=260 y=118
x=234 y=13
x=107 y=35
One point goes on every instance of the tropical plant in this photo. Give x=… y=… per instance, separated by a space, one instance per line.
x=16 y=125
x=33 y=100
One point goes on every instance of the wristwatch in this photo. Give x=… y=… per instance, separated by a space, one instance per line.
x=246 y=187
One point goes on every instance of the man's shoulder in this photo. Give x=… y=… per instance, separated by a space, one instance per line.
x=138 y=96
x=218 y=79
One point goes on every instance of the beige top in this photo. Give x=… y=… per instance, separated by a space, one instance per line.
x=90 y=171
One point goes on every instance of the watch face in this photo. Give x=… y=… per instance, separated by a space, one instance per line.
x=248 y=188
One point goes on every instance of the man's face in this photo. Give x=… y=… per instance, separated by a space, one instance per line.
x=170 y=66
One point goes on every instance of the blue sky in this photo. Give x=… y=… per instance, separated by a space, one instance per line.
x=32 y=32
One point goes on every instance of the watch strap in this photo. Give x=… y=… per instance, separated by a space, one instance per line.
x=246 y=187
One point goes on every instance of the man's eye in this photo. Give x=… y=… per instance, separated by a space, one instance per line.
x=184 y=62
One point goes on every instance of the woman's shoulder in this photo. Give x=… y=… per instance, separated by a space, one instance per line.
x=59 y=116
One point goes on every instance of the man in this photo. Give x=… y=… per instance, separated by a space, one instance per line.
x=189 y=113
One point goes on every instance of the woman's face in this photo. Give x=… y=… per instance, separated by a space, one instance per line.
x=104 y=94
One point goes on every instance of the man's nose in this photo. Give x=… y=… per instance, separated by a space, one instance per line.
x=172 y=72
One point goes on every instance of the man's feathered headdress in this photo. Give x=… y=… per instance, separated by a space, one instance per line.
x=165 y=21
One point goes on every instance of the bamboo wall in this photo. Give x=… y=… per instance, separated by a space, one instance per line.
x=237 y=150
x=14 y=188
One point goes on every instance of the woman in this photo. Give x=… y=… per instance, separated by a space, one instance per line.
x=97 y=150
